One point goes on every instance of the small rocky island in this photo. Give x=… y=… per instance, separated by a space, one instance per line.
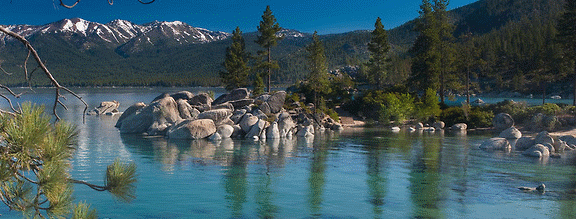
x=184 y=115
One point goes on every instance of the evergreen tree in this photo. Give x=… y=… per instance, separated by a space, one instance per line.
x=446 y=46
x=378 y=47
x=567 y=36
x=236 y=63
x=318 y=77
x=35 y=163
x=267 y=39
x=426 y=55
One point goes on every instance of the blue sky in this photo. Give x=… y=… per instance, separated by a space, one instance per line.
x=324 y=16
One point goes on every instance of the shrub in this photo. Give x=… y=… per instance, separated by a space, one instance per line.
x=546 y=109
x=452 y=115
x=480 y=117
x=428 y=107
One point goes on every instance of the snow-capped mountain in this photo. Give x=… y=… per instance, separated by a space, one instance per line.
x=87 y=34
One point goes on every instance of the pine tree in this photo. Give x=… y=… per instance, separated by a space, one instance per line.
x=426 y=54
x=267 y=39
x=567 y=36
x=236 y=63
x=318 y=77
x=378 y=47
x=446 y=46
x=34 y=167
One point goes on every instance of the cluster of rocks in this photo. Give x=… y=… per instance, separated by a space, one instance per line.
x=542 y=145
x=105 y=108
x=183 y=115
x=439 y=125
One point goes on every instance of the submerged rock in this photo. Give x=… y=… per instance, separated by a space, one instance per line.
x=537 y=151
x=105 y=108
x=494 y=144
x=511 y=133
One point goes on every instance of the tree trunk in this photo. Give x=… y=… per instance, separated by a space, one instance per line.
x=269 y=69
x=574 y=79
x=543 y=92
x=442 y=87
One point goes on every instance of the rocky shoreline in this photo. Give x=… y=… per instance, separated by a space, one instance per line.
x=184 y=115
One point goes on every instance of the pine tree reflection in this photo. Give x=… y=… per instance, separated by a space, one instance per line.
x=236 y=179
x=317 y=179
x=377 y=184
x=425 y=188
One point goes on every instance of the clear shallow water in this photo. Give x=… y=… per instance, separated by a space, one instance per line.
x=357 y=173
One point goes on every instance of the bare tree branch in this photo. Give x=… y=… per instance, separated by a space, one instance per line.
x=150 y=2
x=47 y=73
x=69 y=6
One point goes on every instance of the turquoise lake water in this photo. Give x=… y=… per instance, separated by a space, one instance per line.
x=356 y=173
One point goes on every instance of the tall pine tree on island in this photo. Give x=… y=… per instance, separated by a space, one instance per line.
x=446 y=46
x=236 y=63
x=378 y=64
x=567 y=36
x=425 y=53
x=267 y=39
x=318 y=77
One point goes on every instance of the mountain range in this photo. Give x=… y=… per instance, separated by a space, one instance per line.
x=84 y=53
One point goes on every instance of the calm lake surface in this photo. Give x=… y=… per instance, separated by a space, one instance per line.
x=356 y=173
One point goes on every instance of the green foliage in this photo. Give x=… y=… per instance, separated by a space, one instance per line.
x=83 y=211
x=453 y=115
x=318 y=77
x=267 y=39
x=480 y=117
x=34 y=165
x=388 y=107
x=236 y=63
x=378 y=64
x=120 y=179
x=428 y=106
x=546 y=109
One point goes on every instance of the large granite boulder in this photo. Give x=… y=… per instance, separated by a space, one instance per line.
x=459 y=127
x=286 y=125
x=502 y=121
x=192 y=129
x=496 y=144
x=182 y=95
x=439 y=125
x=154 y=119
x=511 y=133
x=237 y=115
x=256 y=130
x=537 y=151
x=234 y=95
x=305 y=131
x=106 y=107
x=226 y=105
x=247 y=121
x=225 y=130
x=130 y=111
x=201 y=99
x=217 y=115
x=272 y=132
x=543 y=138
x=186 y=111
x=238 y=104
x=272 y=104
x=524 y=143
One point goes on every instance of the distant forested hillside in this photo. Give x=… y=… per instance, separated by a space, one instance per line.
x=512 y=41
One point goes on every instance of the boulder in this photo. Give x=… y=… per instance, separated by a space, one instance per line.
x=234 y=95
x=272 y=104
x=237 y=131
x=511 y=133
x=272 y=132
x=201 y=99
x=560 y=146
x=201 y=107
x=247 y=121
x=154 y=118
x=215 y=137
x=226 y=105
x=258 y=113
x=256 y=130
x=537 y=151
x=192 y=129
x=217 y=115
x=524 y=143
x=305 y=131
x=543 y=138
x=186 y=111
x=237 y=115
x=439 y=125
x=285 y=124
x=238 y=104
x=161 y=96
x=419 y=125
x=550 y=147
x=182 y=95
x=494 y=144
x=106 y=107
x=225 y=131
x=569 y=139
x=502 y=121
x=130 y=111
x=459 y=127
